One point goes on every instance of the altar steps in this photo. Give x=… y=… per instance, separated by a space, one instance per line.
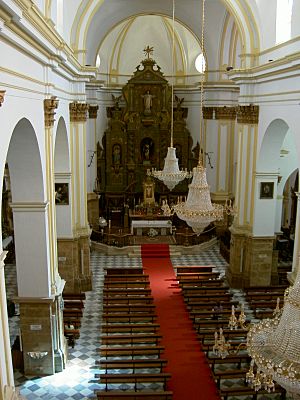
x=137 y=252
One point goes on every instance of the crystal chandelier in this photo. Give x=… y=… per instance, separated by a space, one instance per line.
x=274 y=345
x=171 y=174
x=198 y=210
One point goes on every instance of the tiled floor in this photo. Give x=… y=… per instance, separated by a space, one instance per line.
x=77 y=380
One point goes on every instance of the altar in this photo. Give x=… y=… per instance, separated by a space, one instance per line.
x=144 y=225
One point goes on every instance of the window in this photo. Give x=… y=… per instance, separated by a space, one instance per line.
x=200 y=63
x=283 y=20
x=98 y=61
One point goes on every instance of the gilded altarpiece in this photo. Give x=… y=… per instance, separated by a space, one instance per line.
x=138 y=134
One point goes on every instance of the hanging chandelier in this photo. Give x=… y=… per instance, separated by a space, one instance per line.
x=171 y=175
x=198 y=211
x=274 y=345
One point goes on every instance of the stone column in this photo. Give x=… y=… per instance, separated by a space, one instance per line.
x=6 y=371
x=78 y=117
x=250 y=255
x=296 y=265
x=92 y=197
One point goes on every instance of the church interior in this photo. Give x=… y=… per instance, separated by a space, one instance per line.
x=149 y=165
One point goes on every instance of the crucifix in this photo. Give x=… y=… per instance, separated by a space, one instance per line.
x=148 y=50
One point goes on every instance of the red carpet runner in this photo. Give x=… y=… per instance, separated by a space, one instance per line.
x=191 y=377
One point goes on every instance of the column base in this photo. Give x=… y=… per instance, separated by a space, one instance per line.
x=251 y=261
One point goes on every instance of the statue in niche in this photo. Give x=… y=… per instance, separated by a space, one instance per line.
x=147 y=147
x=116 y=100
x=147 y=102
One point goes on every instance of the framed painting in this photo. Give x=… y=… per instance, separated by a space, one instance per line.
x=62 y=194
x=266 y=190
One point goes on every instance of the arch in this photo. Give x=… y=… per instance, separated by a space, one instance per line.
x=61 y=149
x=24 y=163
x=271 y=146
x=93 y=13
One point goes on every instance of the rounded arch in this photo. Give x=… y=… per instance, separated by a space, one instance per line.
x=93 y=14
x=271 y=145
x=24 y=163
x=61 y=149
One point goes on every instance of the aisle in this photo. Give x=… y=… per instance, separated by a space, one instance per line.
x=191 y=377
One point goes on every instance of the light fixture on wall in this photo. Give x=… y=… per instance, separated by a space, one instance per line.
x=198 y=211
x=171 y=175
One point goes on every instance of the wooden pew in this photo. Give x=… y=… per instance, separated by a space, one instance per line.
x=123 y=271
x=247 y=390
x=264 y=296
x=194 y=268
x=130 y=338
x=205 y=334
x=130 y=351
x=200 y=305
x=198 y=275
x=219 y=297
x=78 y=304
x=157 y=363
x=74 y=296
x=147 y=395
x=129 y=317
x=238 y=359
x=229 y=374
x=210 y=314
x=202 y=283
x=211 y=290
x=128 y=308
x=126 y=292
x=72 y=313
x=134 y=378
x=130 y=299
x=124 y=277
x=265 y=289
x=126 y=284
x=129 y=328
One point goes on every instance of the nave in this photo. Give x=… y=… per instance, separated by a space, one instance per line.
x=77 y=381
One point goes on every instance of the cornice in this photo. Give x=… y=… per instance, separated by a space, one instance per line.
x=228 y=113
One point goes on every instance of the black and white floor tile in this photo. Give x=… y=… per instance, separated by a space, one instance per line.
x=77 y=381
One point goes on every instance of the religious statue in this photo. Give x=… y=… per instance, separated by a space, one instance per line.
x=147 y=102
x=166 y=208
x=116 y=154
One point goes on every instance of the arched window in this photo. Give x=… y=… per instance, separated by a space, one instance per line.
x=200 y=63
x=283 y=20
x=98 y=61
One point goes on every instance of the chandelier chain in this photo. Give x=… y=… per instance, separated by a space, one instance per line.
x=201 y=161
x=172 y=84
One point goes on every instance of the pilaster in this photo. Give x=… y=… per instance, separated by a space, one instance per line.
x=92 y=198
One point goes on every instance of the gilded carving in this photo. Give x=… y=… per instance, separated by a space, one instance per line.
x=248 y=114
x=78 y=111
x=2 y=94
x=225 y=113
x=50 y=106
x=93 y=111
x=208 y=112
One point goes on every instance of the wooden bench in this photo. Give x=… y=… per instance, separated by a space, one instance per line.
x=203 y=283
x=264 y=289
x=247 y=390
x=129 y=328
x=205 y=335
x=123 y=271
x=129 y=317
x=264 y=296
x=122 y=278
x=218 y=297
x=199 y=305
x=130 y=338
x=77 y=304
x=231 y=359
x=194 y=268
x=126 y=292
x=210 y=314
x=198 y=275
x=235 y=345
x=72 y=313
x=148 y=299
x=148 y=395
x=229 y=374
x=134 y=378
x=133 y=364
x=211 y=290
x=130 y=351
x=74 y=296
x=128 y=308
x=126 y=284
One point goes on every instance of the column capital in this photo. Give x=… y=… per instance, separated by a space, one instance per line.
x=208 y=112
x=50 y=106
x=247 y=114
x=93 y=111
x=78 y=111
x=2 y=94
x=228 y=113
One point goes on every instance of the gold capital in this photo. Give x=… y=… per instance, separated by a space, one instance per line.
x=225 y=113
x=49 y=111
x=248 y=114
x=93 y=111
x=208 y=112
x=78 y=111
x=2 y=94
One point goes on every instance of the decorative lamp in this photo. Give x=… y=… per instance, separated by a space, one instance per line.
x=198 y=211
x=171 y=174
